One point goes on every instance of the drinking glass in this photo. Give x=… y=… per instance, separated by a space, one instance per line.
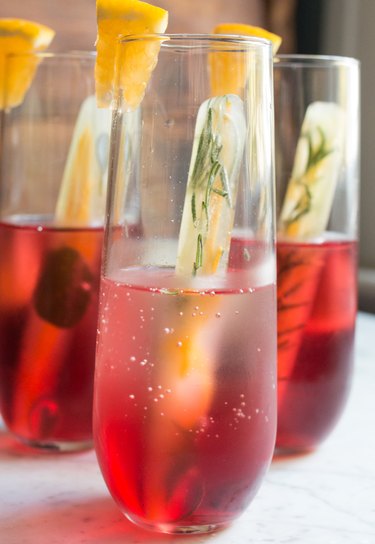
x=54 y=144
x=317 y=180
x=185 y=392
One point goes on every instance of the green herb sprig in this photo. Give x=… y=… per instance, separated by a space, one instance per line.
x=316 y=154
x=207 y=168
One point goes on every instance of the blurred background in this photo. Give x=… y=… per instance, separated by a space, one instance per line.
x=337 y=27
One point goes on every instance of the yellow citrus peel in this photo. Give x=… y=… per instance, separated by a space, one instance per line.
x=249 y=30
x=19 y=36
x=123 y=18
x=229 y=70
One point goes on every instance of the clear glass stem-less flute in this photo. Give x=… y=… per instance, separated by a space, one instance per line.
x=51 y=231
x=317 y=150
x=185 y=398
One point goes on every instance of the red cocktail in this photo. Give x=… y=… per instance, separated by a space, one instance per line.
x=48 y=314
x=317 y=303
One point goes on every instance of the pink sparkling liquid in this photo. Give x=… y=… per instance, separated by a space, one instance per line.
x=184 y=440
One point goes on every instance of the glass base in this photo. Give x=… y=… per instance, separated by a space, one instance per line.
x=57 y=446
x=290 y=451
x=173 y=528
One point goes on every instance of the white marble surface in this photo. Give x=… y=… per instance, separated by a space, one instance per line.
x=327 y=497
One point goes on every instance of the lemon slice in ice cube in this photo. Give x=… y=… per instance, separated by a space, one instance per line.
x=230 y=70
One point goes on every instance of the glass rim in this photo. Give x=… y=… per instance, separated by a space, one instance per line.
x=74 y=54
x=200 y=39
x=314 y=60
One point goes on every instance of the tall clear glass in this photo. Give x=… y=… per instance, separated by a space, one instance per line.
x=317 y=180
x=185 y=383
x=54 y=145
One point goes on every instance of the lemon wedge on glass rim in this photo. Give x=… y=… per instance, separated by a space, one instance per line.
x=229 y=73
x=122 y=18
x=20 y=36
x=249 y=30
x=82 y=195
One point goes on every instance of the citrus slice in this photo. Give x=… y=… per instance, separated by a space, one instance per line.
x=317 y=163
x=81 y=199
x=249 y=30
x=229 y=71
x=20 y=36
x=125 y=17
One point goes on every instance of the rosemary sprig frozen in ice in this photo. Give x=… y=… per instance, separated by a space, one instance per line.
x=309 y=196
x=208 y=213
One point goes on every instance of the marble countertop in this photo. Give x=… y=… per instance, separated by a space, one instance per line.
x=327 y=497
